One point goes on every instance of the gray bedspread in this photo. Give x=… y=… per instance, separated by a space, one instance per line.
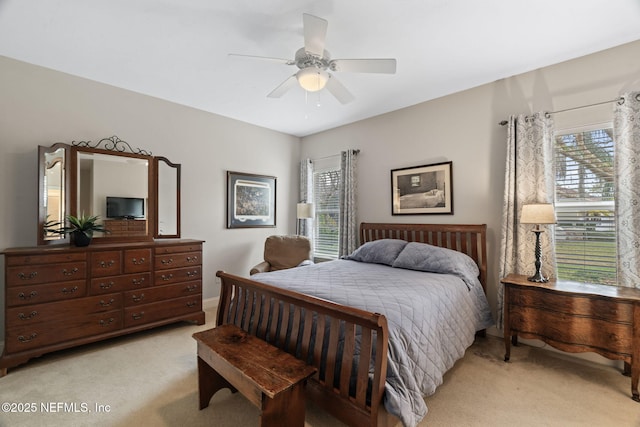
x=432 y=320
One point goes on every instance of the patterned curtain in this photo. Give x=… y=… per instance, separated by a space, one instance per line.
x=529 y=178
x=348 y=188
x=626 y=129
x=306 y=195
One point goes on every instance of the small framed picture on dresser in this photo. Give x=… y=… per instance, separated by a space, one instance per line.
x=251 y=200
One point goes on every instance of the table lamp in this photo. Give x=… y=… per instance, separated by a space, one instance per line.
x=303 y=211
x=538 y=213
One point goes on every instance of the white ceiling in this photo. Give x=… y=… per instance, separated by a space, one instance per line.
x=178 y=49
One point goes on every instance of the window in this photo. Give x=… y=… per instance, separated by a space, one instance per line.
x=326 y=195
x=585 y=206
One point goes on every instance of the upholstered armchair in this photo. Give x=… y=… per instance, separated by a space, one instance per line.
x=281 y=252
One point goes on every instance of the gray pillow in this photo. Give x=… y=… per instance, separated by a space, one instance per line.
x=425 y=257
x=382 y=251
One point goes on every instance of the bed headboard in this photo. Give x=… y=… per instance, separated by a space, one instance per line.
x=470 y=239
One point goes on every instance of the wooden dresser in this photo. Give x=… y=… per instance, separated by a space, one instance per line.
x=575 y=317
x=126 y=227
x=61 y=296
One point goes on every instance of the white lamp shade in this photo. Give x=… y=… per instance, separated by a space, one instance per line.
x=305 y=210
x=538 y=213
x=312 y=79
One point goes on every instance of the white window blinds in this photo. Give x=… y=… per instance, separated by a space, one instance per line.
x=326 y=194
x=585 y=206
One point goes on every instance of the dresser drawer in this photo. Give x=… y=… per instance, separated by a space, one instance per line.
x=574 y=330
x=147 y=313
x=46 y=333
x=36 y=294
x=62 y=310
x=177 y=275
x=178 y=248
x=45 y=259
x=161 y=293
x=108 y=263
x=36 y=274
x=137 y=260
x=125 y=282
x=593 y=306
x=182 y=259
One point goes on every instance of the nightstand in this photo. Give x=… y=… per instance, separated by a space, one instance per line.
x=575 y=317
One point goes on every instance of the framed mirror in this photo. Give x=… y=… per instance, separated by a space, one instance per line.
x=168 y=198
x=53 y=190
x=118 y=187
x=135 y=195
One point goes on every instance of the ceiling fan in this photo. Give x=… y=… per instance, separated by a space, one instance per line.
x=314 y=64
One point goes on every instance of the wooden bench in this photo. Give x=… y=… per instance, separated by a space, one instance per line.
x=268 y=377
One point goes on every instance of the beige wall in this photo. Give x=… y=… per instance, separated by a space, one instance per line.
x=40 y=107
x=463 y=128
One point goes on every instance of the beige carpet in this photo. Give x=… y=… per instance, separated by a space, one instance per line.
x=150 y=379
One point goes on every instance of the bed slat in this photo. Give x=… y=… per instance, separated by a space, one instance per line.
x=347 y=363
x=363 y=367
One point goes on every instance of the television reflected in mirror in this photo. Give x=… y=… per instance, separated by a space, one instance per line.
x=125 y=207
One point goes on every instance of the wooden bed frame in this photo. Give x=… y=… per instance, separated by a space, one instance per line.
x=250 y=304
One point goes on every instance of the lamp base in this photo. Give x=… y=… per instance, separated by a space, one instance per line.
x=538 y=278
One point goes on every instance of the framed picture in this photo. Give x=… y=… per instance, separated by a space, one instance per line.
x=251 y=200
x=426 y=189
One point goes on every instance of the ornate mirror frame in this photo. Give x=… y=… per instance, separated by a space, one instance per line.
x=158 y=188
x=167 y=187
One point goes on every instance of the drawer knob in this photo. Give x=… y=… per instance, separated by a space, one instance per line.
x=106 y=264
x=29 y=316
x=24 y=296
x=136 y=261
x=167 y=277
x=136 y=298
x=29 y=276
x=137 y=282
x=69 y=291
x=192 y=288
x=106 y=285
x=191 y=304
x=71 y=272
x=138 y=316
x=107 y=304
x=167 y=261
x=192 y=273
x=31 y=337
x=107 y=322
x=192 y=259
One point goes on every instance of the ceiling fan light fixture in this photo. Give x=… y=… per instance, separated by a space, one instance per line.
x=312 y=79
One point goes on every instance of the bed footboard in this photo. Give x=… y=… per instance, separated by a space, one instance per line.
x=348 y=346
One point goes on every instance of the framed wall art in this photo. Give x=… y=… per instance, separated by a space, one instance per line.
x=251 y=200
x=426 y=189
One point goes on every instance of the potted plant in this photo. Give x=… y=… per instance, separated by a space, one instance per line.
x=80 y=228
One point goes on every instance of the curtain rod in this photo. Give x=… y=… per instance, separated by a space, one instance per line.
x=355 y=151
x=619 y=99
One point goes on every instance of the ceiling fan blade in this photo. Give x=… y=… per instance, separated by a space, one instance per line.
x=284 y=87
x=386 y=66
x=315 y=34
x=338 y=90
x=265 y=58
